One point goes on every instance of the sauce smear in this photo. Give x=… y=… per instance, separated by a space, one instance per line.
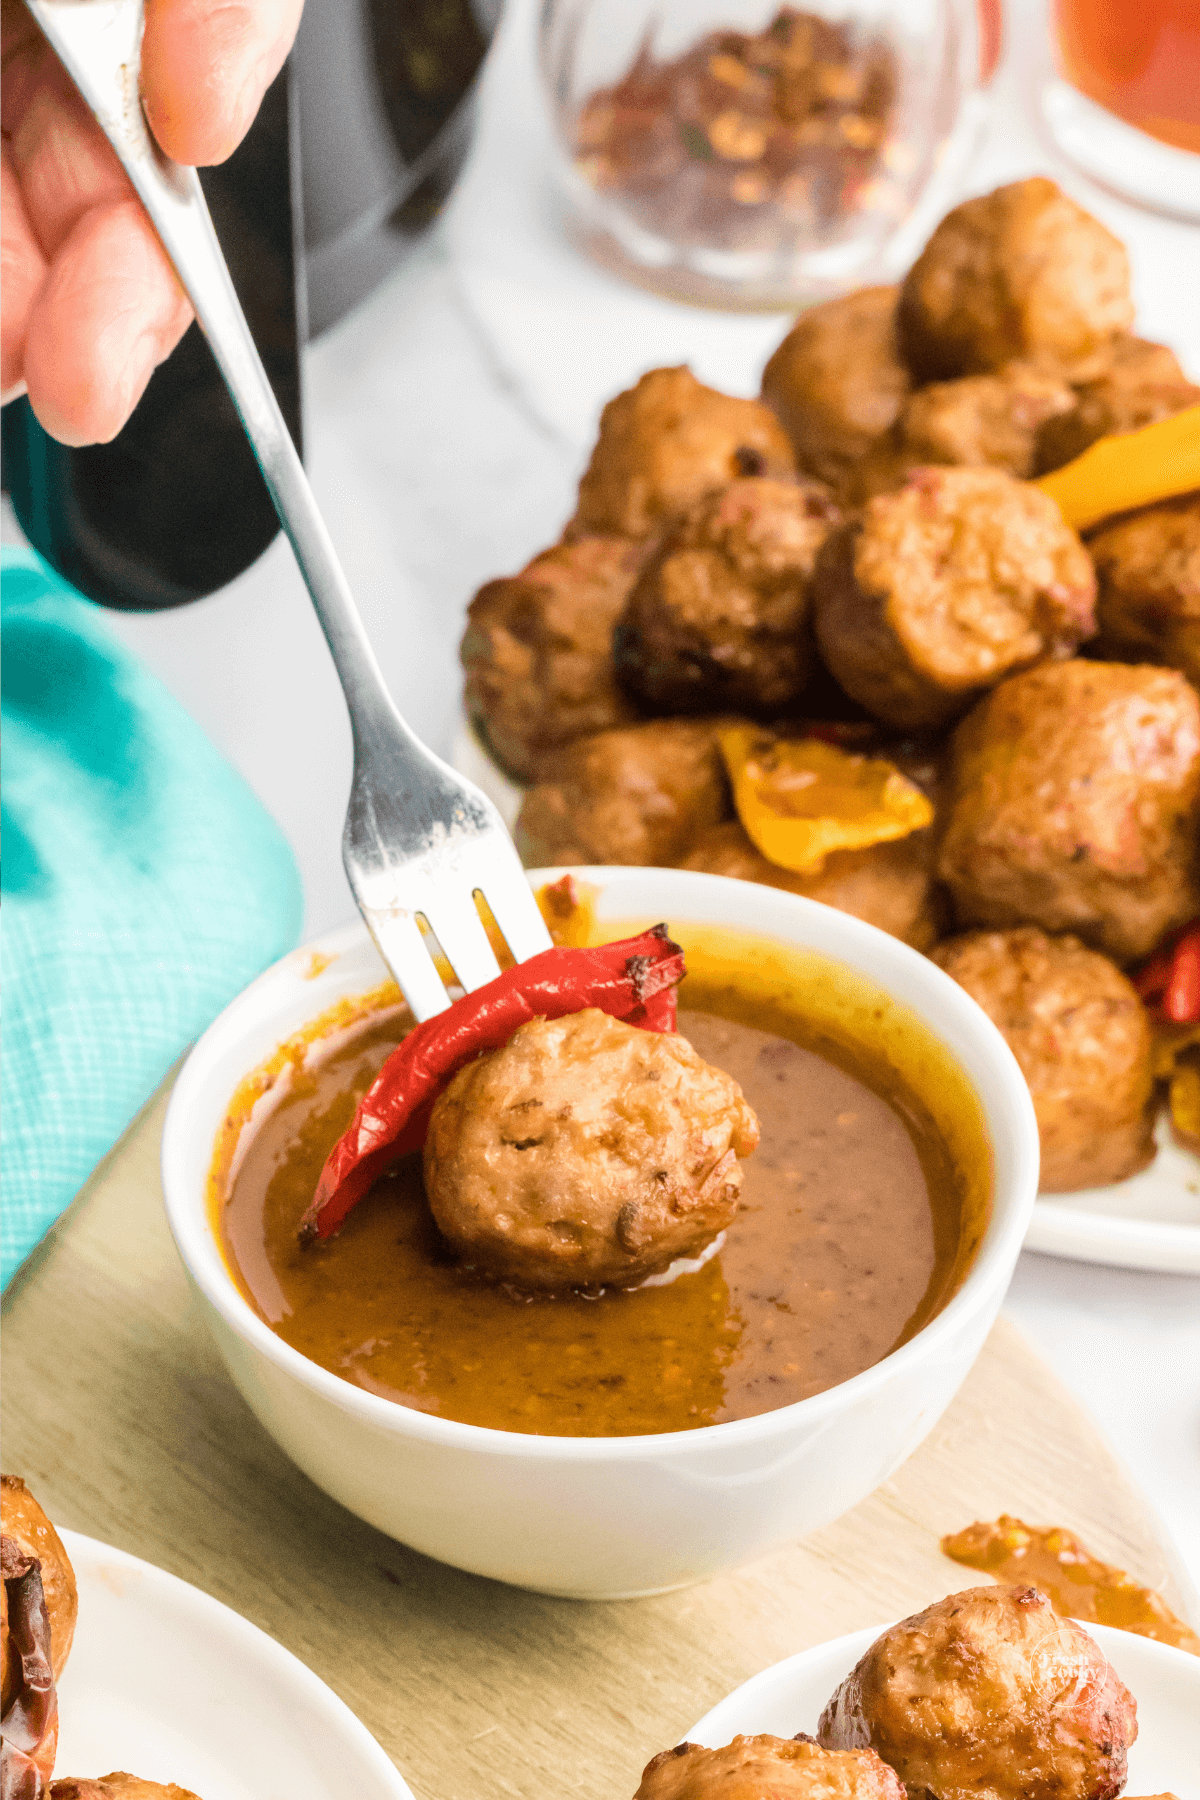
x=1078 y=1584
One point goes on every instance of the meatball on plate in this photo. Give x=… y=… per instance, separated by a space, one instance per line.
x=1158 y=1747
x=962 y=516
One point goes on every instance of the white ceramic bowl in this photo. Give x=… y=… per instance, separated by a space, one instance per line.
x=604 y=1518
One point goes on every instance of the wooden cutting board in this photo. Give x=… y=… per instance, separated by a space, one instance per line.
x=119 y=1414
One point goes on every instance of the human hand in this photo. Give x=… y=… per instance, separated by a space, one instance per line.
x=91 y=303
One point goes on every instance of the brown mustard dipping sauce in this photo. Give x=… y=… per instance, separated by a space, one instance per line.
x=1077 y=1584
x=860 y=1213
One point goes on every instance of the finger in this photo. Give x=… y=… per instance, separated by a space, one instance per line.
x=206 y=65
x=22 y=272
x=62 y=159
x=25 y=55
x=110 y=310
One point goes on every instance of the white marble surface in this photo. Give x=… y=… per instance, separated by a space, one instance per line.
x=440 y=461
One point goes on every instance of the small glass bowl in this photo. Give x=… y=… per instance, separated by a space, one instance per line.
x=740 y=153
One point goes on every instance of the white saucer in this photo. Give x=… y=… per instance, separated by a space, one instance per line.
x=789 y=1697
x=1151 y=1221
x=165 y=1682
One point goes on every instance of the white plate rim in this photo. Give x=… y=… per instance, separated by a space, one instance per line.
x=1121 y=1241
x=87 y=1554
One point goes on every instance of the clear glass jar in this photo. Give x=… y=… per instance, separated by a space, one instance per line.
x=1122 y=102
x=743 y=153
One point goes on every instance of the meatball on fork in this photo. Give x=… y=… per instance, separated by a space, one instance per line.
x=587 y=1152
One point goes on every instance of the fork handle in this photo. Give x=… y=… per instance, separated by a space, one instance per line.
x=100 y=45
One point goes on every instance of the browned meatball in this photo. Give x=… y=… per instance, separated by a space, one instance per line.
x=586 y=1153
x=1141 y=383
x=837 y=381
x=981 y=421
x=1072 y=805
x=719 y=617
x=989 y=1695
x=1083 y=1040
x=1019 y=274
x=1148 y=586
x=889 y=885
x=946 y=586
x=987 y=421
x=665 y=443
x=537 y=650
x=754 y=1768
x=637 y=795
x=117 y=1786
x=23 y=1521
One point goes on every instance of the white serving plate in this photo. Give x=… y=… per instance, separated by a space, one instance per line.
x=165 y=1682
x=788 y=1698
x=1151 y=1221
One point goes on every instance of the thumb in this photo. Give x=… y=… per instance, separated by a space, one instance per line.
x=206 y=65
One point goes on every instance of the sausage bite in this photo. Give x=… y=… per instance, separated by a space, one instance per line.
x=537 y=651
x=989 y=1694
x=1072 y=805
x=664 y=444
x=1083 y=1040
x=1148 y=581
x=719 y=616
x=637 y=795
x=837 y=382
x=946 y=586
x=1019 y=274
x=751 y=1768
x=586 y=1152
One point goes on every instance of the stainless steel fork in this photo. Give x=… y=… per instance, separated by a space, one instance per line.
x=419 y=841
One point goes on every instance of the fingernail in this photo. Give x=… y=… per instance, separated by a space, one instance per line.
x=241 y=113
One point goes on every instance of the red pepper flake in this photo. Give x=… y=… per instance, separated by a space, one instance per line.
x=634 y=979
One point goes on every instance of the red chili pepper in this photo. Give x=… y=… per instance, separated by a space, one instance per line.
x=1181 y=1000
x=1151 y=979
x=634 y=979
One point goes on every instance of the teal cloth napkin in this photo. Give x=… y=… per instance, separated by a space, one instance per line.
x=143 y=886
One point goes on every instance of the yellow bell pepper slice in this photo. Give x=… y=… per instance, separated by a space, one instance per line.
x=1169 y=1043
x=1133 y=468
x=1185 y=1103
x=799 y=798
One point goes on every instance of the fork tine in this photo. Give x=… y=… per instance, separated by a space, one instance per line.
x=459 y=930
x=398 y=940
x=514 y=908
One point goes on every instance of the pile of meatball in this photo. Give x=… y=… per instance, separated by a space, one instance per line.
x=986 y=1695
x=863 y=552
